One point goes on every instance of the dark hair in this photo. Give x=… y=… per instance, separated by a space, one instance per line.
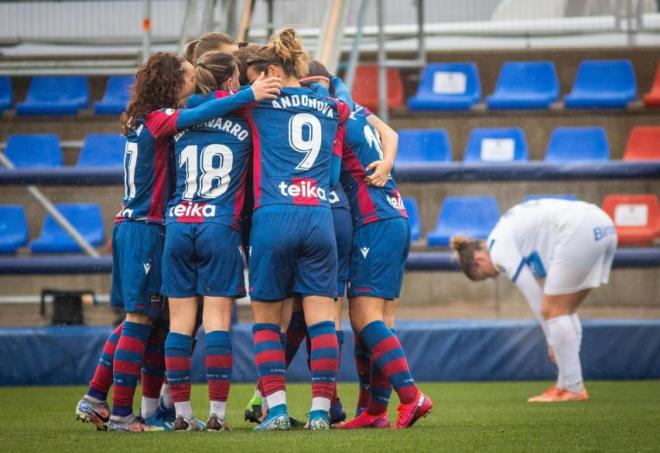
x=210 y=42
x=157 y=84
x=284 y=49
x=244 y=54
x=212 y=70
x=316 y=68
x=188 y=53
x=465 y=249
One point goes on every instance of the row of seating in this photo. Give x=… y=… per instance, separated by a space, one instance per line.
x=637 y=218
x=509 y=144
x=66 y=95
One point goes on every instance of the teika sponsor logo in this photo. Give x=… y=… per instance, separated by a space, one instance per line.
x=396 y=201
x=124 y=213
x=303 y=191
x=192 y=212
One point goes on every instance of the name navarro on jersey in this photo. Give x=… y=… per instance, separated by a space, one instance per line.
x=220 y=124
x=297 y=100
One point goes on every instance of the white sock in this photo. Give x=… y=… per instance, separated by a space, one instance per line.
x=218 y=408
x=91 y=399
x=560 y=379
x=148 y=407
x=183 y=409
x=275 y=399
x=166 y=394
x=320 y=404
x=566 y=343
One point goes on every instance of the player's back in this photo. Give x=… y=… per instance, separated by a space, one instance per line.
x=293 y=144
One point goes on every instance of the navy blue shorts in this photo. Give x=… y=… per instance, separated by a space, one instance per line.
x=203 y=259
x=344 y=236
x=137 y=251
x=292 y=251
x=378 y=258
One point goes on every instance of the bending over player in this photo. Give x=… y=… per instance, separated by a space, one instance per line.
x=571 y=245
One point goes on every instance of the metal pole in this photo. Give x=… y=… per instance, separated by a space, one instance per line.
x=52 y=210
x=186 y=25
x=420 y=32
x=355 y=48
x=382 y=68
x=146 y=29
x=271 y=16
x=208 y=16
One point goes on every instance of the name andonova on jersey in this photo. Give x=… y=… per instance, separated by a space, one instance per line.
x=302 y=100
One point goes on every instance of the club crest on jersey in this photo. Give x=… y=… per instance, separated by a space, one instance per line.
x=303 y=191
x=187 y=212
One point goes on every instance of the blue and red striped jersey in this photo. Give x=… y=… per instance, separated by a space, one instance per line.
x=146 y=184
x=361 y=147
x=338 y=199
x=294 y=139
x=211 y=162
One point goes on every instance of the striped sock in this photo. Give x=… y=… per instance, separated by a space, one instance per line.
x=340 y=342
x=388 y=355
x=127 y=365
x=178 y=355
x=362 y=364
x=218 y=362
x=324 y=363
x=269 y=359
x=380 y=390
x=295 y=334
x=153 y=370
x=102 y=379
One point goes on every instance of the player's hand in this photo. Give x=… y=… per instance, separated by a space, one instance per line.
x=266 y=88
x=551 y=355
x=381 y=173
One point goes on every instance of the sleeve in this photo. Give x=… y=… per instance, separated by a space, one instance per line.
x=532 y=291
x=162 y=123
x=319 y=89
x=212 y=109
x=342 y=92
x=337 y=153
x=342 y=110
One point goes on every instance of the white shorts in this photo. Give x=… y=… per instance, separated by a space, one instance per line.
x=583 y=254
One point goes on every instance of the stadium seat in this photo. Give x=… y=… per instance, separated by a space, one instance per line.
x=423 y=145
x=6 y=95
x=37 y=150
x=603 y=84
x=643 y=144
x=447 y=86
x=559 y=196
x=102 y=150
x=652 y=98
x=578 y=144
x=116 y=95
x=496 y=145
x=365 y=87
x=86 y=218
x=472 y=216
x=13 y=228
x=637 y=217
x=55 y=95
x=525 y=85
x=413 y=216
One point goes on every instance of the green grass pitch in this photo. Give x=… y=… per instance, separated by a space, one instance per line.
x=621 y=416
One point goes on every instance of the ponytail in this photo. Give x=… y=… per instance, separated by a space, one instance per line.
x=464 y=249
x=285 y=49
x=212 y=70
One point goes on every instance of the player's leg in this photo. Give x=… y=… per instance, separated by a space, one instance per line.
x=380 y=388
x=337 y=413
x=153 y=369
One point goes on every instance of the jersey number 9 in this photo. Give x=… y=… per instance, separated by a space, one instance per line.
x=208 y=187
x=309 y=142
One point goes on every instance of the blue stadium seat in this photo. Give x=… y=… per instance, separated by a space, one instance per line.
x=559 y=196
x=496 y=145
x=116 y=95
x=55 y=95
x=6 y=94
x=447 y=86
x=86 y=218
x=472 y=216
x=525 y=85
x=37 y=150
x=413 y=217
x=13 y=228
x=423 y=145
x=603 y=84
x=578 y=143
x=102 y=150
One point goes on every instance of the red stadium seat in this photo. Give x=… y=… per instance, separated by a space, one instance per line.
x=643 y=144
x=652 y=98
x=637 y=217
x=365 y=87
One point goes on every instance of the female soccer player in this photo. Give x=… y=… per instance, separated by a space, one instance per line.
x=214 y=41
x=292 y=247
x=150 y=120
x=571 y=245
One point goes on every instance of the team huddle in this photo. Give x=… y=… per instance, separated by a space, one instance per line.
x=244 y=154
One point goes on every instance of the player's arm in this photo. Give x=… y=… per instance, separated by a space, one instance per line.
x=381 y=169
x=530 y=288
x=342 y=92
x=335 y=158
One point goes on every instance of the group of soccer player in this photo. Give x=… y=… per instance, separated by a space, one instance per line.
x=251 y=153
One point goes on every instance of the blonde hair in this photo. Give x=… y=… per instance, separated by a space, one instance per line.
x=211 y=42
x=284 y=49
x=464 y=249
x=212 y=70
x=188 y=53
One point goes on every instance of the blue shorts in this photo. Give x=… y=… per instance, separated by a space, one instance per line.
x=203 y=259
x=292 y=251
x=378 y=258
x=137 y=252
x=344 y=236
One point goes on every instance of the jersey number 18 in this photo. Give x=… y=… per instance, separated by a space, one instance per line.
x=214 y=180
